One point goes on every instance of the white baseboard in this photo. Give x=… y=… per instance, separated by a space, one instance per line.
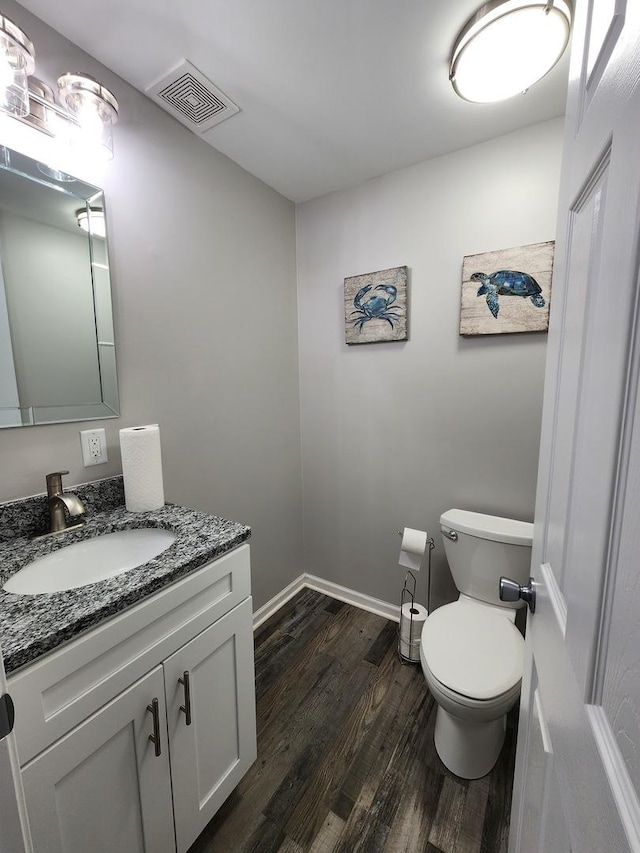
x=350 y=596
x=267 y=610
x=334 y=590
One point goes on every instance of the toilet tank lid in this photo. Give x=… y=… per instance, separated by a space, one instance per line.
x=488 y=526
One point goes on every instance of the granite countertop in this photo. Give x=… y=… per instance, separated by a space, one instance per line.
x=31 y=625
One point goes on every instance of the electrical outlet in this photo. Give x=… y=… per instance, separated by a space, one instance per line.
x=94 y=446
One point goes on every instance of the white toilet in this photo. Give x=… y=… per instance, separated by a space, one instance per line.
x=471 y=651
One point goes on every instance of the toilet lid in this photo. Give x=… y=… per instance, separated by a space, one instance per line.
x=473 y=650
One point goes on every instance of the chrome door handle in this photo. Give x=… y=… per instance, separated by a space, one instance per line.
x=155 y=737
x=186 y=708
x=512 y=591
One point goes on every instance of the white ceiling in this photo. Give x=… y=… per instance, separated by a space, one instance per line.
x=331 y=92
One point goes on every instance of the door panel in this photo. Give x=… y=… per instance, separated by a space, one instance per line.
x=102 y=788
x=210 y=755
x=605 y=23
x=620 y=690
x=583 y=642
x=584 y=230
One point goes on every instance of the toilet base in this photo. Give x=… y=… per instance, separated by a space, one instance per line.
x=468 y=749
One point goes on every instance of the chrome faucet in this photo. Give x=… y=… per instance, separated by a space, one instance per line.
x=58 y=501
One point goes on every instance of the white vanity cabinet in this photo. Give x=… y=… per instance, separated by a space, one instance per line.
x=177 y=667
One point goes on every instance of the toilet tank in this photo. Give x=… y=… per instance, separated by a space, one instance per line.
x=487 y=547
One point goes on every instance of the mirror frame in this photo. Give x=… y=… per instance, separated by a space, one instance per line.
x=87 y=195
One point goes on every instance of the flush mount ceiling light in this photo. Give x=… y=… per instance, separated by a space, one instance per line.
x=507 y=46
x=92 y=221
x=17 y=62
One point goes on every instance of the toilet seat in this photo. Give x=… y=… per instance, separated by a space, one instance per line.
x=473 y=650
x=481 y=708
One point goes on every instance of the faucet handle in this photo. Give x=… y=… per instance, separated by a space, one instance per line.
x=54 y=482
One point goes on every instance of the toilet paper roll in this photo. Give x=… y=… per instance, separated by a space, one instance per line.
x=142 y=468
x=412 y=618
x=410 y=651
x=414 y=544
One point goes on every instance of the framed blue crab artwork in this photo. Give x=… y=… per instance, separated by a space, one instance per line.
x=375 y=307
x=507 y=291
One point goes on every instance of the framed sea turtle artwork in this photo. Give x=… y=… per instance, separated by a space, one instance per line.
x=507 y=291
x=375 y=307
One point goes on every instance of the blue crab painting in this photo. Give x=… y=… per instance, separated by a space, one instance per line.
x=376 y=307
x=508 y=283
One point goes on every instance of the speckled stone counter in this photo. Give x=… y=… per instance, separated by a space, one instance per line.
x=31 y=625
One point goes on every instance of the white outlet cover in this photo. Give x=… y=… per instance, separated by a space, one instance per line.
x=94 y=447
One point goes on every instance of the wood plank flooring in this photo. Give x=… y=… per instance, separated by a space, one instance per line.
x=346 y=762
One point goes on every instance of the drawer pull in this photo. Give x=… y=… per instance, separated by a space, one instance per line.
x=186 y=708
x=155 y=737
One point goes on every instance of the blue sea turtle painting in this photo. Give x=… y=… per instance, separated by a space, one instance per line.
x=508 y=283
x=376 y=306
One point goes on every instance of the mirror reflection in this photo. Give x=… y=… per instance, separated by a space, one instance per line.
x=57 y=348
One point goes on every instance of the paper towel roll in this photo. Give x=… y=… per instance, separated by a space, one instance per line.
x=414 y=544
x=412 y=619
x=142 y=468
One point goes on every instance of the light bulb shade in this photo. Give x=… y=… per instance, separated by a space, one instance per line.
x=17 y=62
x=91 y=220
x=95 y=110
x=507 y=46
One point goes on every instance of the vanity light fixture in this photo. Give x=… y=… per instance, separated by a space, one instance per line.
x=507 y=46
x=87 y=111
x=17 y=62
x=94 y=108
x=92 y=221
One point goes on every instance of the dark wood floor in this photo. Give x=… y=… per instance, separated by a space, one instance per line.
x=346 y=761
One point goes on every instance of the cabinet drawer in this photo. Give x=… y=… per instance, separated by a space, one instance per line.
x=57 y=692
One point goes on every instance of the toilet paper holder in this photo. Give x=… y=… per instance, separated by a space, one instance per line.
x=408 y=596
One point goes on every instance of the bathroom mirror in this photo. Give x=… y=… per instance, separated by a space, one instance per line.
x=57 y=348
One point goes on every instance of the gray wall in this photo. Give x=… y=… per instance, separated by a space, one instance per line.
x=394 y=434
x=203 y=262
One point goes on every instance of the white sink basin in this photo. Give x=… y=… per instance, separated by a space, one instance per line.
x=90 y=560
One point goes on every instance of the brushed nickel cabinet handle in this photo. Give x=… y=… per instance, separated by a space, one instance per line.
x=155 y=737
x=186 y=708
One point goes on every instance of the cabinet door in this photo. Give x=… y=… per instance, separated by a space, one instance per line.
x=102 y=788
x=213 y=740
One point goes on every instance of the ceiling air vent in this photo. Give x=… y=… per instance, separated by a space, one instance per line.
x=190 y=97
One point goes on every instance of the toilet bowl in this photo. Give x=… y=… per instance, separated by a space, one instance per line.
x=471 y=651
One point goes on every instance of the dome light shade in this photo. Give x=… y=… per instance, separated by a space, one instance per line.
x=507 y=46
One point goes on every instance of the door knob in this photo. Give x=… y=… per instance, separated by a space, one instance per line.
x=512 y=591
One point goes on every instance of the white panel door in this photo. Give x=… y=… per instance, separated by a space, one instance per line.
x=211 y=715
x=578 y=761
x=102 y=788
